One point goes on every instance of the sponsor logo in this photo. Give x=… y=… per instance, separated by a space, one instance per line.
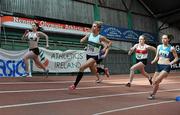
x=11 y=68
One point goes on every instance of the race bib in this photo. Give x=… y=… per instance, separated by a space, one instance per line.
x=91 y=50
x=141 y=56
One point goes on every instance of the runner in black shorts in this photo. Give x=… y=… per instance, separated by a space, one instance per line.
x=33 y=38
x=163 y=59
x=93 y=48
x=141 y=50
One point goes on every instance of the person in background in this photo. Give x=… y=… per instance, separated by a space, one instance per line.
x=33 y=38
x=100 y=67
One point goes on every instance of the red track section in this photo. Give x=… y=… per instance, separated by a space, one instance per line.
x=50 y=96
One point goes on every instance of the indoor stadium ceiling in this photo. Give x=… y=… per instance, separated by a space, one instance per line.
x=168 y=11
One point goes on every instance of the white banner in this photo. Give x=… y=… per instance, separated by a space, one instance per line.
x=11 y=63
x=61 y=62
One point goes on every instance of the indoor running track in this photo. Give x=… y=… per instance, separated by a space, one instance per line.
x=50 y=96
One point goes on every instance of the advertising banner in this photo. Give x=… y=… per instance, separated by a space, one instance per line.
x=26 y=23
x=111 y=32
x=61 y=61
x=11 y=63
x=116 y=33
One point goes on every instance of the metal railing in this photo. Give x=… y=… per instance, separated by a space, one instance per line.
x=15 y=43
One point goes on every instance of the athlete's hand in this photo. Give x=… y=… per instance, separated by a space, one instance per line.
x=103 y=56
x=103 y=50
x=47 y=46
x=130 y=52
x=26 y=31
x=170 y=63
x=85 y=48
x=25 y=35
x=152 y=62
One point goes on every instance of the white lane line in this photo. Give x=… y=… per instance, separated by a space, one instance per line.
x=60 y=89
x=81 y=98
x=36 y=82
x=63 y=89
x=54 y=82
x=70 y=81
x=134 y=107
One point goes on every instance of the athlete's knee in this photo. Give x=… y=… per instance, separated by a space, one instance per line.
x=25 y=59
x=132 y=70
x=81 y=69
x=144 y=73
x=156 y=82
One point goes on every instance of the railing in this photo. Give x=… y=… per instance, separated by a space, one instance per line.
x=12 y=42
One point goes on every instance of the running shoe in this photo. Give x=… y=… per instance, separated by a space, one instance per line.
x=25 y=74
x=46 y=72
x=98 y=80
x=151 y=97
x=128 y=85
x=72 y=87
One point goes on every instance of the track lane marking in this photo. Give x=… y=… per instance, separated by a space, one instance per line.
x=63 y=89
x=81 y=98
x=134 y=107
